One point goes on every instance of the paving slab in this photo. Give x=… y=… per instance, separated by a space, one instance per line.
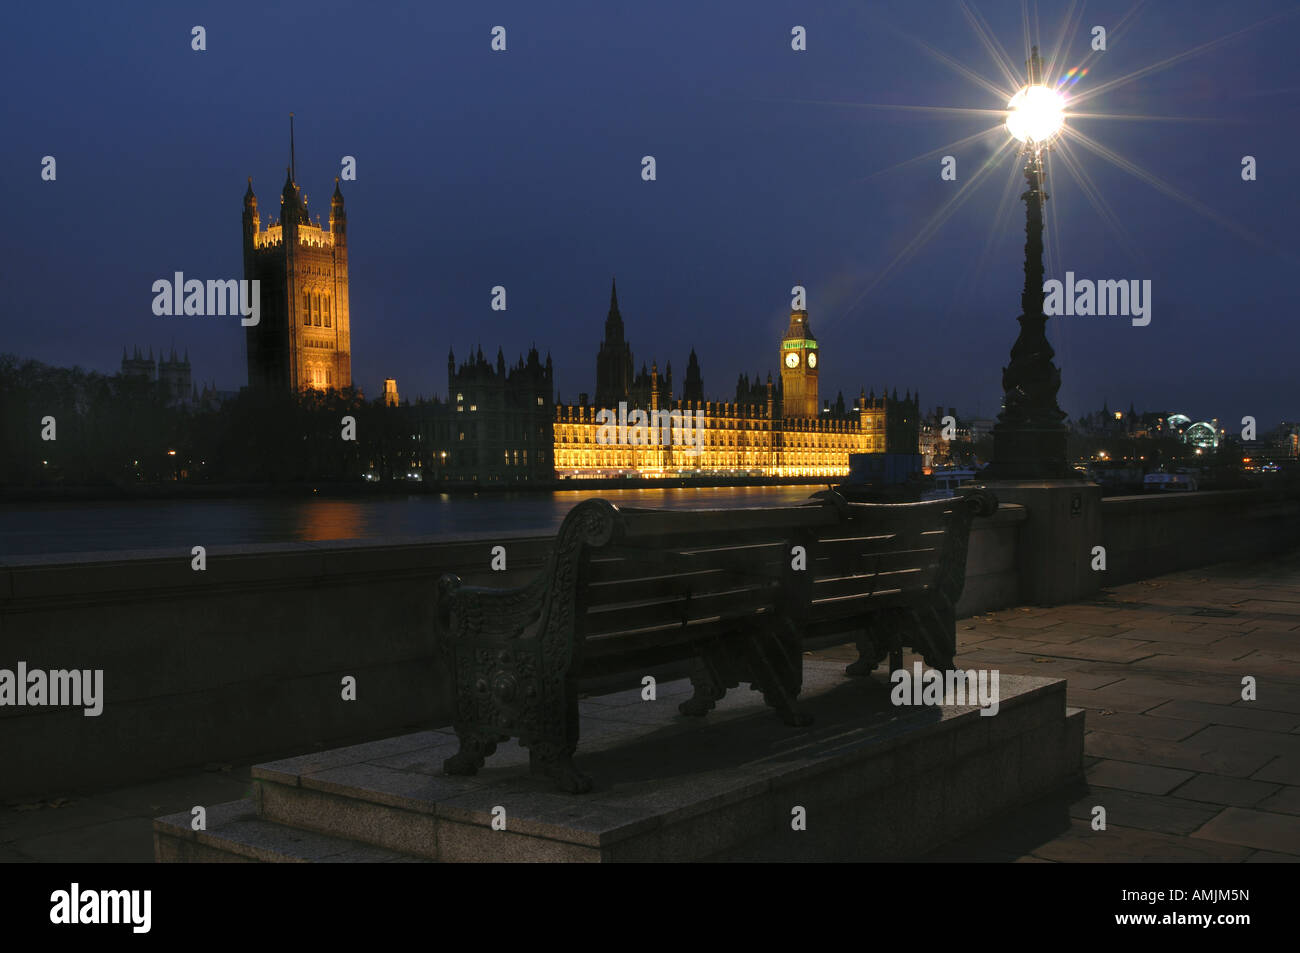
x=1211 y=758
x=1239 y=715
x=1218 y=789
x=1141 y=778
x=1143 y=726
x=1285 y=801
x=1167 y=815
x=1284 y=770
x=1251 y=828
x=1130 y=845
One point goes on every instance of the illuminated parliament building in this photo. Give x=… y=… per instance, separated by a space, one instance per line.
x=638 y=425
x=303 y=339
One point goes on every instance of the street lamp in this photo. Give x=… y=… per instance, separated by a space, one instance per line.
x=1029 y=439
x=1035 y=115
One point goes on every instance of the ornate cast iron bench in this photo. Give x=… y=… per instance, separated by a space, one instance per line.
x=893 y=573
x=629 y=590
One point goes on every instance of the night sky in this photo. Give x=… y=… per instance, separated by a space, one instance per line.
x=522 y=169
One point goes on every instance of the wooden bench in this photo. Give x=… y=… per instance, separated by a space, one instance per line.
x=735 y=590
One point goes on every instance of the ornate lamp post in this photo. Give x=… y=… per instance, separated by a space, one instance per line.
x=1029 y=437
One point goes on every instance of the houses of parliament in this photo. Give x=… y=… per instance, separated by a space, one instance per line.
x=502 y=423
x=775 y=428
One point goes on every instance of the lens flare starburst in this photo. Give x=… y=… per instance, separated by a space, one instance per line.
x=1044 y=110
x=1035 y=115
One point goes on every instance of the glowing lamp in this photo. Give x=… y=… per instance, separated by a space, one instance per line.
x=1035 y=114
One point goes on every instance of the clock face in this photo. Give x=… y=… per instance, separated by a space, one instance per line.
x=812 y=358
x=792 y=359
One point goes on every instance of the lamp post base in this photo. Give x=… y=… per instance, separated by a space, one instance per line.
x=1029 y=453
x=1057 y=545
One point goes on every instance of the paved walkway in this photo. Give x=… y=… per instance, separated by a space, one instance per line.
x=1184 y=768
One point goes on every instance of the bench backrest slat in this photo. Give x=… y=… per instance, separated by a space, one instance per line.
x=662 y=578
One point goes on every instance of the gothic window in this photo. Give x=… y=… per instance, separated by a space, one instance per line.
x=317 y=321
x=327 y=312
x=306 y=310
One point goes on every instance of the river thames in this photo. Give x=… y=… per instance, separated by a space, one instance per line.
x=42 y=529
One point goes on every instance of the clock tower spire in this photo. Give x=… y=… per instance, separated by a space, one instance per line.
x=799 y=369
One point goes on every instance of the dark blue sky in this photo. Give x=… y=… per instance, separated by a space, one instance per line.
x=523 y=169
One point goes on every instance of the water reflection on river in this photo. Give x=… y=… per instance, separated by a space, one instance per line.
x=45 y=528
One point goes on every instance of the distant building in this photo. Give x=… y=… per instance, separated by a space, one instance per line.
x=174 y=376
x=171 y=372
x=137 y=365
x=391 y=398
x=303 y=338
x=1105 y=423
x=496 y=424
x=779 y=429
x=940 y=432
x=1288 y=438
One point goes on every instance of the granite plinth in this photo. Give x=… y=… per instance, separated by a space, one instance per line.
x=874 y=782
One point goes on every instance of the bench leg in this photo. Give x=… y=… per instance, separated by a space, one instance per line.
x=872 y=644
x=937 y=639
x=777 y=663
x=709 y=688
x=474 y=750
x=552 y=738
x=555 y=761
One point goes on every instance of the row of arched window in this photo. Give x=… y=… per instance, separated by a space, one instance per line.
x=316 y=311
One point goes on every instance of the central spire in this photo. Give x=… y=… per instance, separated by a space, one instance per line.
x=293 y=166
x=614 y=321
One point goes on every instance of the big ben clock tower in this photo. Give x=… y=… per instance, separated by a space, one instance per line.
x=799 y=368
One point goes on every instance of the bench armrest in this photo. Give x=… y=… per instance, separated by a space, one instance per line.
x=981 y=500
x=469 y=612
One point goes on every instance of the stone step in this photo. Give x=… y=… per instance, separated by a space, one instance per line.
x=876 y=782
x=235 y=834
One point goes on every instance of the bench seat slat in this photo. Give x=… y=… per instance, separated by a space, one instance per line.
x=637 y=587
x=758 y=562
x=668 y=636
x=909 y=580
x=676 y=610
